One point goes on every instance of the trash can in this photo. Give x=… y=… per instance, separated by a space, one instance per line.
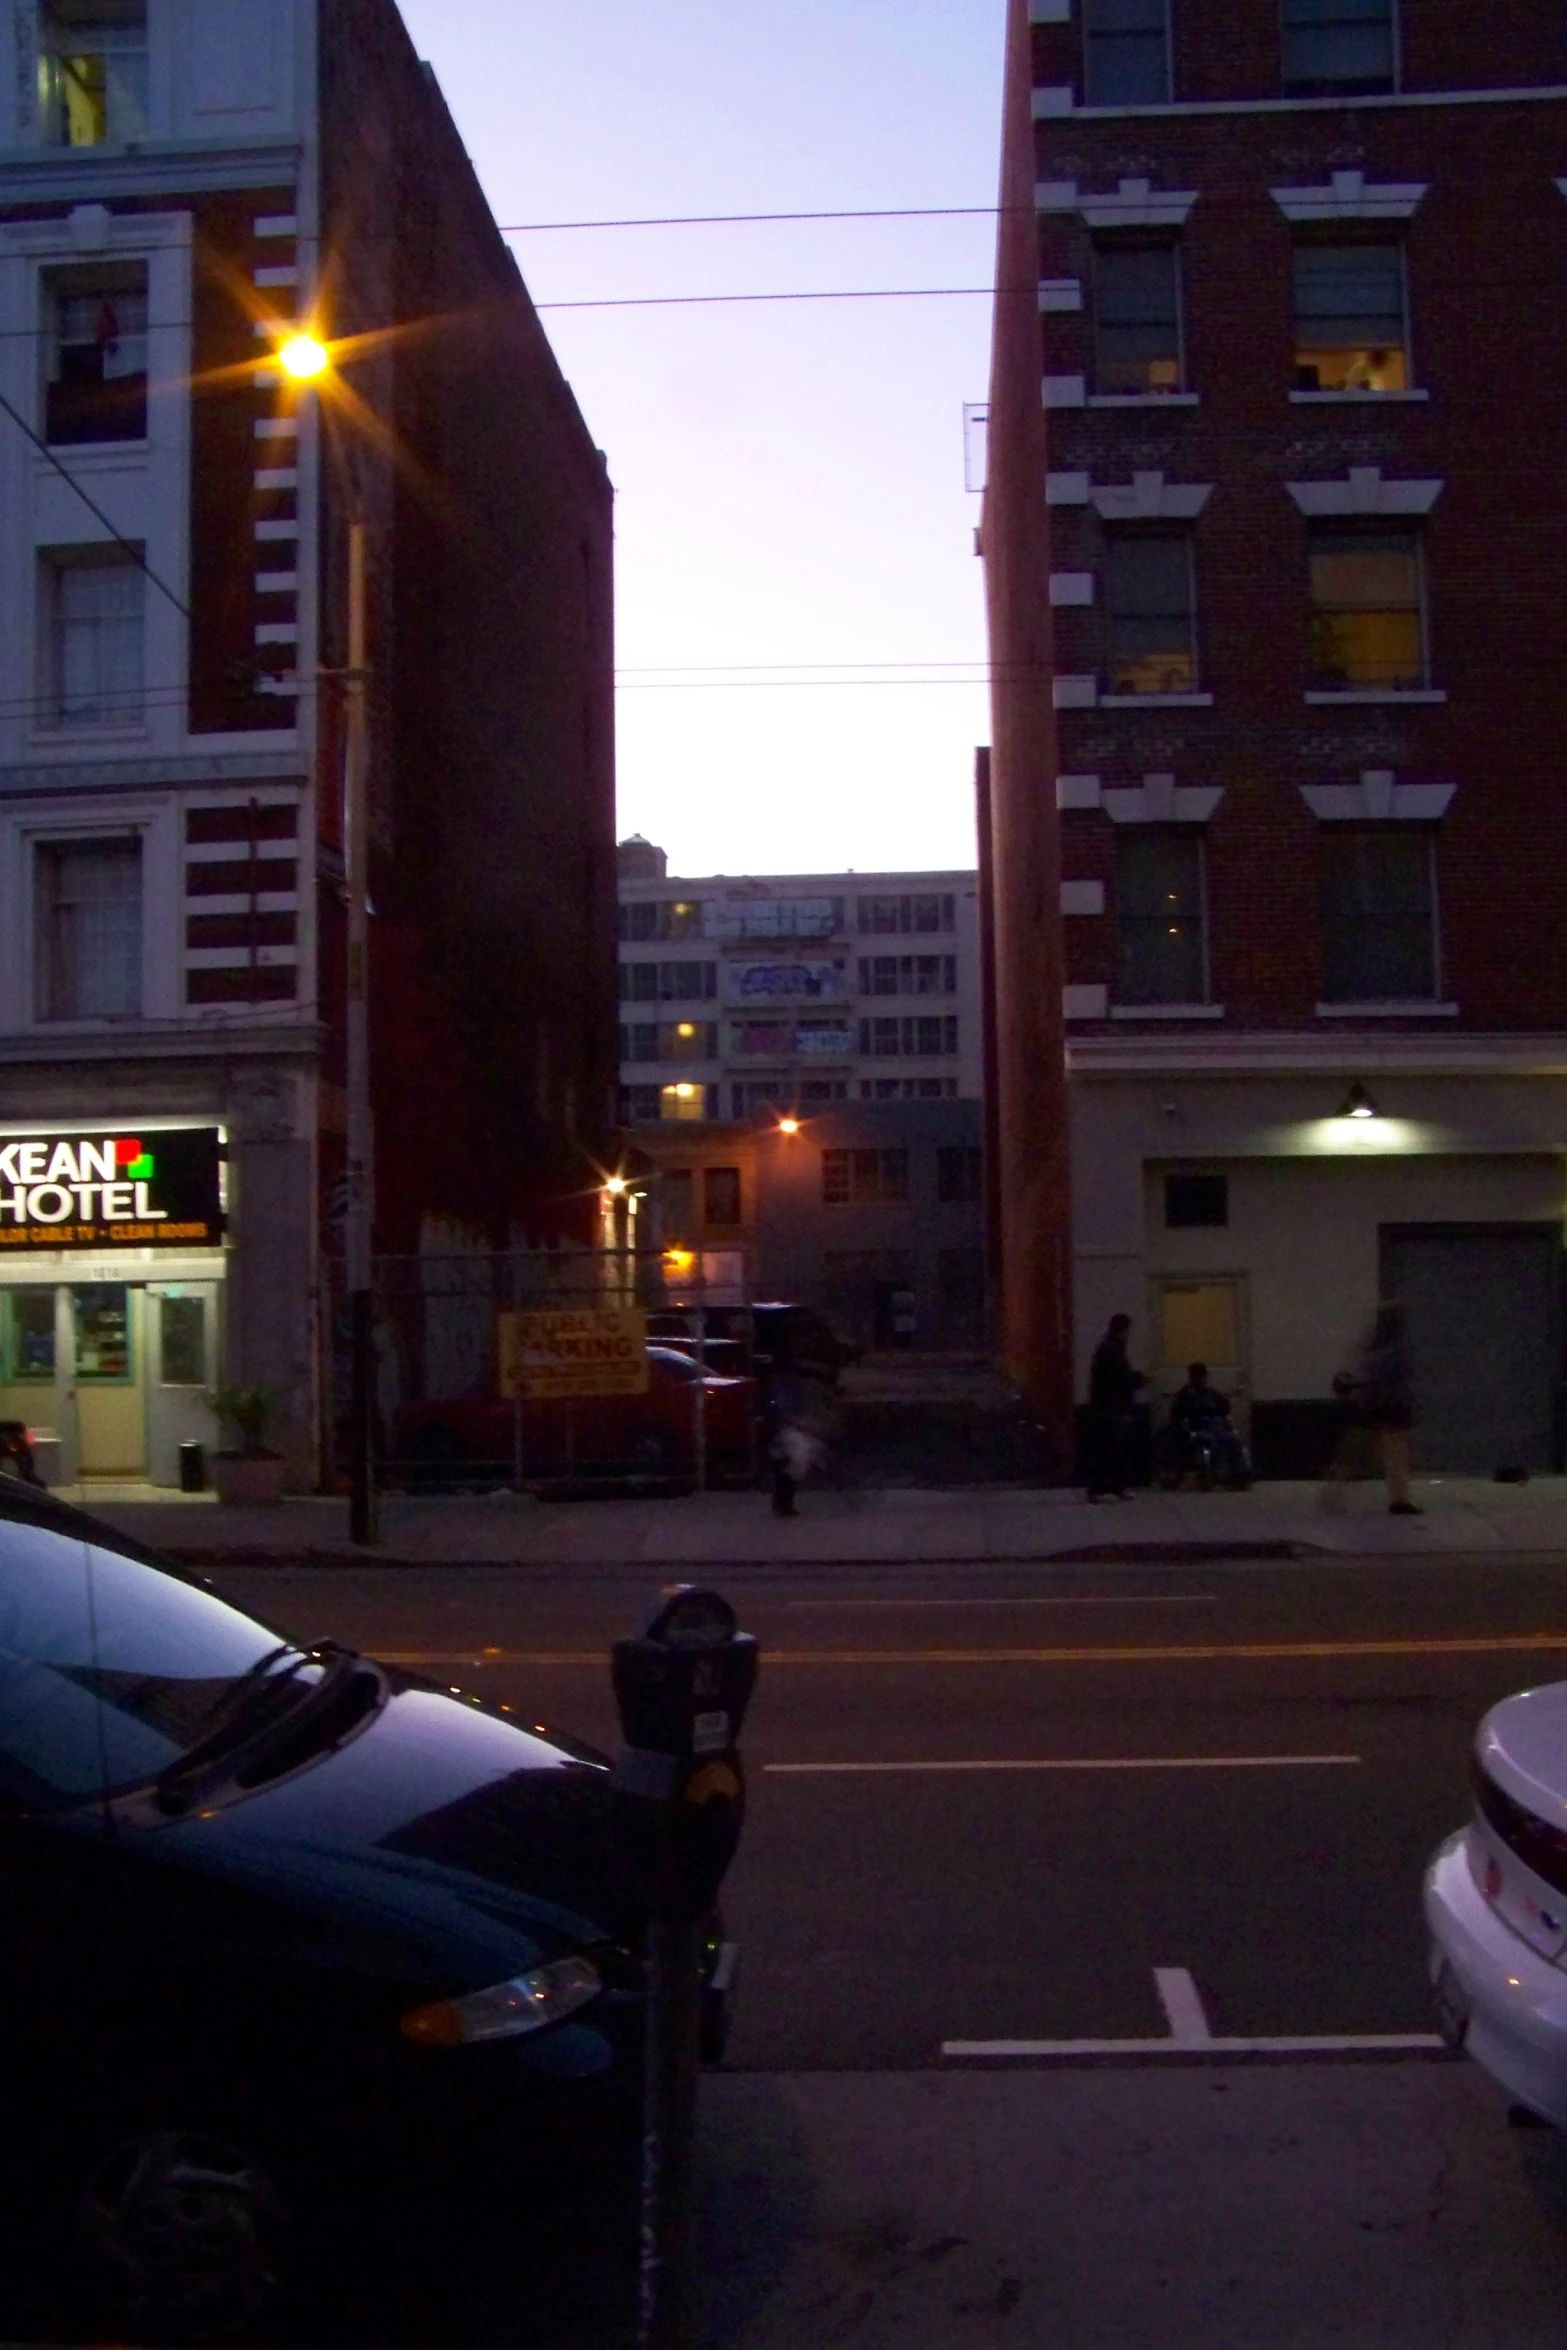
x=193 y=1466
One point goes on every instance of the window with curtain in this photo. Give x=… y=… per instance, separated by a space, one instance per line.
x=92 y=71
x=95 y=613
x=1137 y=319
x=88 y=928
x=1367 y=611
x=96 y=328
x=1338 y=46
x=1378 y=915
x=1150 y=615
x=1350 y=326
x=1126 y=58
x=1161 y=955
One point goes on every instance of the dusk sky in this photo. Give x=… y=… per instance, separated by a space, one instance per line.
x=789 y=476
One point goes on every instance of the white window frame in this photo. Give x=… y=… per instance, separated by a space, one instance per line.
x=1412 y=387
x=51 y=566
x=155 y=820
x=1395 y=19
x=1164 y=1008
x=1182 y=389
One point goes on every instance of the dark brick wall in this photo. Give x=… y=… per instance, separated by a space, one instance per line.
x=1487 y=257
x=489 y=515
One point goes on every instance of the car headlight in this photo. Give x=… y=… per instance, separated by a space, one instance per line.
x=524 y=2004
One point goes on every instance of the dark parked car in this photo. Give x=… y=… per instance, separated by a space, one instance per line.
x=277 y=1924
x=475 y=1434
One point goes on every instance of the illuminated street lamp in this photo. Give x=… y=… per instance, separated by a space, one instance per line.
x=304 y=358
x=788 y=1125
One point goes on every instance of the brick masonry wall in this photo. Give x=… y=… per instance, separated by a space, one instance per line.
x=1487 y=262
x=489 y=514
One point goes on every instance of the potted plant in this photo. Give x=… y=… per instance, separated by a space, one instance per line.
x=252 y=1472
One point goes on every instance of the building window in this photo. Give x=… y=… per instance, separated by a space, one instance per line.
x=721 y=1195
x=759 y=1095
x=917 y=916
x=1378 y=916
x=1160 y=956
x=784 y=918
x=1350 y=329
x=1196 y=1202
x=923 y=1038
x=672 y=918
x=27 y=1354
x=1127 y=52
x=88 y=929
x=639 y=1041
x=823 y=1089
x=682 y=1101
x=688 y=1040
x=908 y=975
x=94 y=623
x=1339 y=47
x=908 y=1089
x=1137 y=319
x=96 y=341
x=1367 y=611
x=1150 y=606
x=92 y=71
x=639 y=1105
x=959 y=1170
x=873 y=1178
x=638 y=984
x=676 y=1211
x=833 y=1037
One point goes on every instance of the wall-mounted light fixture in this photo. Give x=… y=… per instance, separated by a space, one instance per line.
x=1357 y=1103
x=788 y=1125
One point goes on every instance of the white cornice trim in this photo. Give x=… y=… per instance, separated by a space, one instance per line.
x=1136 y=203
x=1349 y=196
x=1256 y=1052
x=1148 y=497
x=1364 y=491
x=1159 y=799
x=1545 y=93
x=1377 y=799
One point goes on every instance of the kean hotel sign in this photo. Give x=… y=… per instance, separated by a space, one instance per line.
x=111 y=1190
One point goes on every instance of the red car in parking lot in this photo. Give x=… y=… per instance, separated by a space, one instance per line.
x=473 y=1435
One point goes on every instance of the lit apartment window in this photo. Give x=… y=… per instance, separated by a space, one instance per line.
x=1151 y=617
x=1126 y=52
x=1334 y=47
x=1367 y=611
x=93 y=625
x=87 y=929
x=1350 y=324
x=865 y=1178
x=682 y=1101
x=1160 y=951
x=687 y=1040
x=1137 y=319
x=720 y=1195
x=1378 y=916
x=92 y=71
x=671 y=918
x=96 y=340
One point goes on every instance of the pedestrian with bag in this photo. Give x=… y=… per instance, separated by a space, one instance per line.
x=1378 y=1397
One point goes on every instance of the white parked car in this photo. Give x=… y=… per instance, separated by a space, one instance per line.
x=1496 y=1906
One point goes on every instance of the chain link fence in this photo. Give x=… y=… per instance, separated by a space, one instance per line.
x=452 y=1415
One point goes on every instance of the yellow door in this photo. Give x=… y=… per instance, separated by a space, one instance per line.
x=106 y=1374
x=1202 y=1320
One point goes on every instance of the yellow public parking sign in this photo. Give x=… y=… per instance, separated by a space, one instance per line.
x=572 y=1351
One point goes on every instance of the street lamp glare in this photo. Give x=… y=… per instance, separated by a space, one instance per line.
x=614 y=1185
x=304 y=357
x=788 y=1125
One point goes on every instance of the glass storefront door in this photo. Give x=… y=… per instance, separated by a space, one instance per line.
x=106 y=1371
x=110 y=1376
x=182 y=1339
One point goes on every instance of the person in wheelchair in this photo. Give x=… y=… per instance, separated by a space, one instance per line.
x=1203 y=1440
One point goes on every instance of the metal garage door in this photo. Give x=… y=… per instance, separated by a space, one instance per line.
x=1483 y=1332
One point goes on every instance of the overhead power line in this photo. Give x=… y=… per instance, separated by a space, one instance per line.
x=528 y=228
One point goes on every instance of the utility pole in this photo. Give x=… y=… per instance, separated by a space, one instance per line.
x=361 y=1131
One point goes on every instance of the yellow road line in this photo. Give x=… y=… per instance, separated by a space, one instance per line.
x=1214 y=1652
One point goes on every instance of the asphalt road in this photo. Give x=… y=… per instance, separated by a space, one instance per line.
x=1044 y=1804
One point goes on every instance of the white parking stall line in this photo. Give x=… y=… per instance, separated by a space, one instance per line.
x=1183 y=2007
x=1191 y=2035
x=1094 y=1762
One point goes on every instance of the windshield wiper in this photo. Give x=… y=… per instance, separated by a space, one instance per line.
x=233 y=1721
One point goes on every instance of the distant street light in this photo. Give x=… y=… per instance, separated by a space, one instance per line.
x=788 y=1125
x=304 y=358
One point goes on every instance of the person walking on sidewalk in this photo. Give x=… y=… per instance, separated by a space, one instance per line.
x=1112 y=1396
x=1379 y=1396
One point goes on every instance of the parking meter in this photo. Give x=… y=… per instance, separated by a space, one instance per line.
x=682 y=1688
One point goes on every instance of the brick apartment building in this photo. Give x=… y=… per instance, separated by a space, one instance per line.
x=181 y=182
x=1276 y=536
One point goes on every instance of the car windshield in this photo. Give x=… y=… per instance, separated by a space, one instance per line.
x=110 y=1669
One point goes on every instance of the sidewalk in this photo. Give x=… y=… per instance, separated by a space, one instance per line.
x=892 y=1526
x=1279 y=2207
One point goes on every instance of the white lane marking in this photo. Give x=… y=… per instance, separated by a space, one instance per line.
x=1183 y=2007
x=1113 y=1762
x=1305 y=2044
x=1060 y=1599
